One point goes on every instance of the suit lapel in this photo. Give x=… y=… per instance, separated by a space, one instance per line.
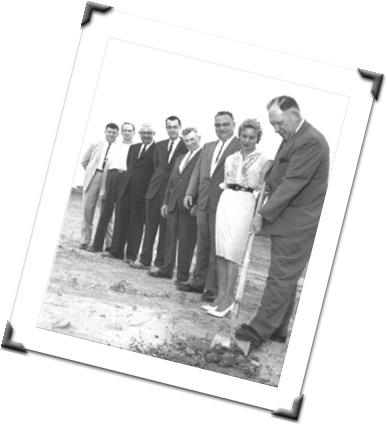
x=191 y=162
x=178 y=150
x=231 y=148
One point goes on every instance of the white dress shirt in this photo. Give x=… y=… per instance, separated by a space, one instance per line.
x=103 y=153
x=175 y=143
x=218 y=148
x=187 y=158
x=117 y=157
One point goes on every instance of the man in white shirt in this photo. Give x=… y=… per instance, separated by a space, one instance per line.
x=204 y=186
x=116 y=166
x=181 y=222
x=94 y=162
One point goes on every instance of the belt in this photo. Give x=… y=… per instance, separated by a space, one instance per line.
x=98 y=170
x=121 y=171
x=237 y=187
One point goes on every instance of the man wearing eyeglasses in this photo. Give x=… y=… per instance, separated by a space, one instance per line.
x=130 y=209
x=94 y=162
x=166 y=152
x=109 y=194
x=204 y=186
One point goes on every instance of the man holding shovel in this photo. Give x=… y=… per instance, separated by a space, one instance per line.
x=298 y=182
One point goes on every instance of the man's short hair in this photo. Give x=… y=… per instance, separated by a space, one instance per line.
x=113 y=126
x=187 y=130
x=284 y=103
x=173 y=118
x=251 y=123
x=128 y=123
x=224 y=112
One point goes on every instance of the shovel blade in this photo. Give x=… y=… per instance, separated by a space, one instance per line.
x=226 y=342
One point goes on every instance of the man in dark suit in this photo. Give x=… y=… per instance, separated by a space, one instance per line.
x=298 y=181
x=181 y=222
x=166 y=152
x=204 y=185
x=130 y=212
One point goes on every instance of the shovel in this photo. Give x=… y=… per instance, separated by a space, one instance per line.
x=231 y=341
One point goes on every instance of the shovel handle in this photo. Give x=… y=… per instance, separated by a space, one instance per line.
x=243 y=275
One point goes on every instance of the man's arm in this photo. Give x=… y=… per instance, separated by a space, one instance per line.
x=193 y=186
x=300 y=170
x=87 y=156
x=169 y=188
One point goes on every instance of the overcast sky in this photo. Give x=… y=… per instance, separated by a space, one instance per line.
x=140 y=84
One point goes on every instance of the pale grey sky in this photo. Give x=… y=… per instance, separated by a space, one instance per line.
x=140 y=84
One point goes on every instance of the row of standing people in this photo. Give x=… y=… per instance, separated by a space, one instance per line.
x=229 y=169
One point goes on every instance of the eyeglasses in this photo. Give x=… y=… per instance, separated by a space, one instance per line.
x=225 y=125
x=146 y=132
x=174 y=127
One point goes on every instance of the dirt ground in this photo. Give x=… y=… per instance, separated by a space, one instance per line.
x=104 y=300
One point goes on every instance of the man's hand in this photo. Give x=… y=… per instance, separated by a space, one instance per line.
x=192 y=212
x=164 y=211
x=102 y=196
x=188 y=201
x=256 y=224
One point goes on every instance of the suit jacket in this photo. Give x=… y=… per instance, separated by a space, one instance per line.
x=204 y=187
x=178 y=183
x=90 y=161
x=298 y=180
x=138 y=172
x=160 y=177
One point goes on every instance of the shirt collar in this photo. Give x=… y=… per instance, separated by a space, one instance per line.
x=227 y=141
x=299 y=126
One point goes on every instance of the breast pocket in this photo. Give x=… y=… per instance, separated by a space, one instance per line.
x=278 y=172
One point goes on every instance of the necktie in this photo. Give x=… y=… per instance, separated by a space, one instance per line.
x=106 y=154
x=142 y=152
x=170 y=150
x=220 y=152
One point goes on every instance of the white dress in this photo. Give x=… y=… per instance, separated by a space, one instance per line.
x=235 y=209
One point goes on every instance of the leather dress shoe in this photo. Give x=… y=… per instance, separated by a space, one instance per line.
x=138 y=265
x=247 y=333
x=84 y=246
x=279 y=339
x=92 y=249
x=180 y=282
x=208 y=296
x=107 y=249
x=188 y=288
x=158 y=274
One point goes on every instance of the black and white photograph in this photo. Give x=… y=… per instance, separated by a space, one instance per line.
x=192 y=209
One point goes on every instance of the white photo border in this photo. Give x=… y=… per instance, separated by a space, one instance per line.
x=94 y=39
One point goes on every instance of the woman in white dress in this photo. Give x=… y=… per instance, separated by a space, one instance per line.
x=244 y=173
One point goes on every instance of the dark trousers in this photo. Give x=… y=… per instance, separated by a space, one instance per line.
x=205 y=269
x=128 y=227
x=153 y=222
x=289 y=257
x=180 y=226
x=113 y=185
x=135 y=228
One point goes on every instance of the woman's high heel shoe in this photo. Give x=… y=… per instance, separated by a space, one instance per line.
x=209 y=307
x=221 y=314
